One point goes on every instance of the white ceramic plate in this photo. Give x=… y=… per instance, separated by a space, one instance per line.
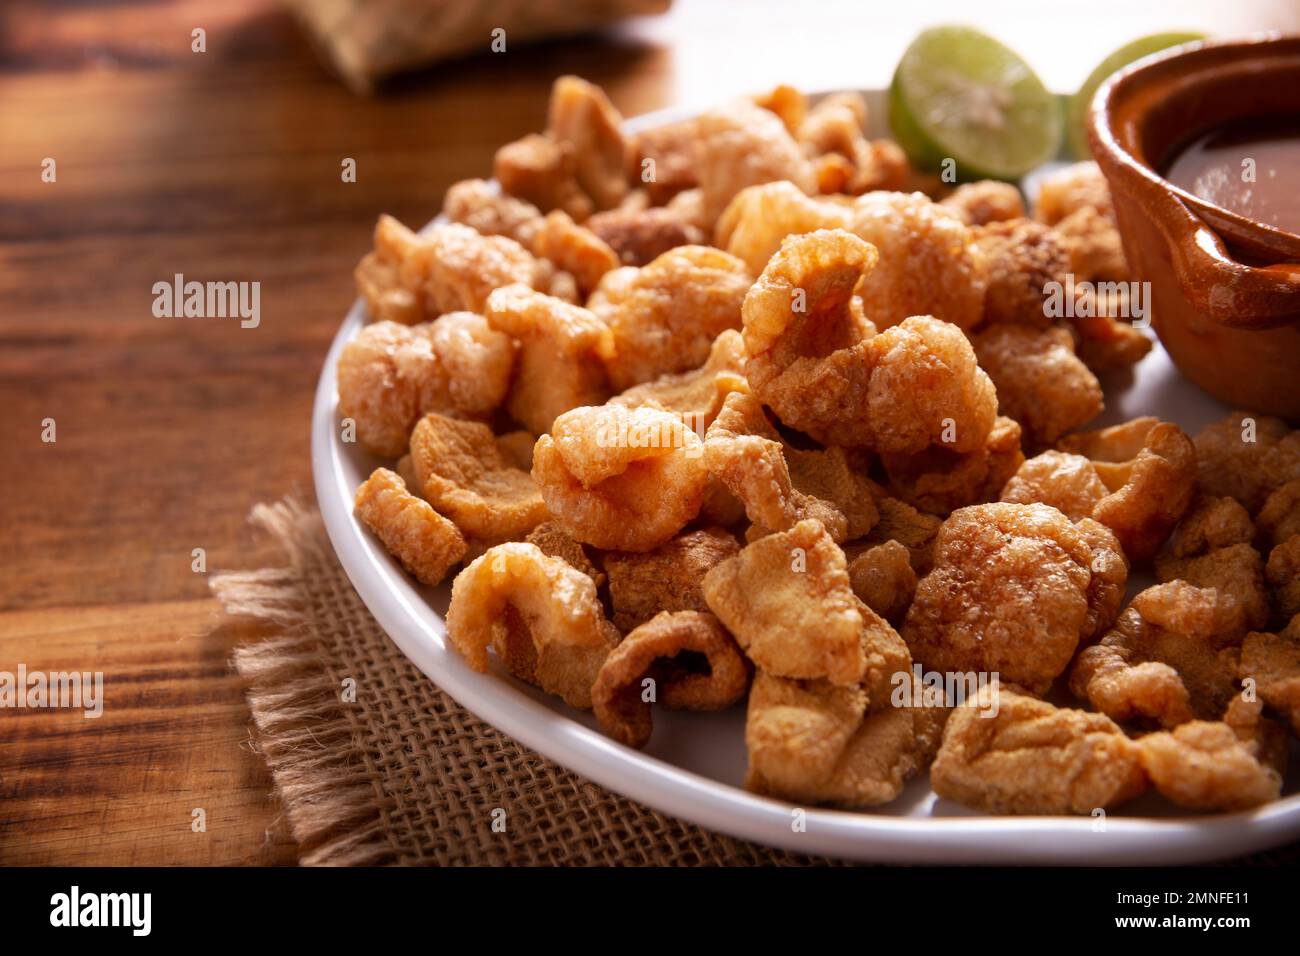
x=694 y=764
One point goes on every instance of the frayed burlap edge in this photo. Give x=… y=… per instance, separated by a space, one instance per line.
x=328 y=796
x=404 y=775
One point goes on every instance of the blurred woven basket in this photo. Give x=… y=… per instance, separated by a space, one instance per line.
x=367 y=40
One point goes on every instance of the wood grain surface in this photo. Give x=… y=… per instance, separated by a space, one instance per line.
x=225 y=166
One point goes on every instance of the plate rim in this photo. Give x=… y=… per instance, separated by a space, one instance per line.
x=404 y=614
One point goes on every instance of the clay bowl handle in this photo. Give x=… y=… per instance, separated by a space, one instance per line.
x=1230 y=292
x=1141 y=112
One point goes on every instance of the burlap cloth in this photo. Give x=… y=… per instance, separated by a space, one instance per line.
x=405 y=775
x=367 y=40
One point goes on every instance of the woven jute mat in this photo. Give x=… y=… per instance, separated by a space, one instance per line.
x=405 y=775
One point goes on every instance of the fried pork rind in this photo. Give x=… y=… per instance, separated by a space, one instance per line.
x=1266 y=738
x=780 y=485
x=672 y=149
x=929 y=263
x=811 y=741
x=1014 y=590
x=1283 y=573
x=561 y=348
x=900 y=522
x=1236 y=570
x=1209 y=524
x=1149 y=467
x=1067 y=190
x=1040 y=382
x=1109 y=578
x=639 y=236
x=620 y=479
x=406 y=471
x=743 y=145
x=669 y=578
x=882 y=165
x=517 y=447
x=542 y=172
x=1092 y=240
x=1034 y=758
x=482 y=206
x=788 y=600
x=573 y=249
x=563 y=286
x=1207 y=765
x=832 y=172
x=380 y=275
x=883 y=579
x=391 y=277
x=984 y=202
x=696 y=395
x=927 y=390
x=834 y=129
x=540 y=615
x=1139 y=499
x=1171 y=657
x=463 y=473
x=665 y=650
x=1106 y=344
x=390 y=374
x=835 y=124
x=665 y=316
x=582 y=118
x=827 y=474
x=759 y=218
x=1022 y=258
x=939 y=480
x=426 y=543
x=636 y=200
x=689 y=204
x=551 y=540
x=410 y=278
x=1067 y=482
x=385 y=375
x=812 y=367
x=1076 y=201
x=1272 y=661
x=1279 y=519
x=787 y=103
x=853 y=101
x=478 y=360
x=1249 y=470
x=720 y=507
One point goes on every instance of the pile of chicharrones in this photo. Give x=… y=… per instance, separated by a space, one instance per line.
x=740 y=407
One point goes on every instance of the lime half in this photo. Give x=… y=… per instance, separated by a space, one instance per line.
x=1077 y=112
x=960 y=95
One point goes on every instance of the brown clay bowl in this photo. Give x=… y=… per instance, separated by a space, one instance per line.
x=1225 y=290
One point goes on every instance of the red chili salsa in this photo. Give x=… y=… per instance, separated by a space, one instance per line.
x=1250 y=167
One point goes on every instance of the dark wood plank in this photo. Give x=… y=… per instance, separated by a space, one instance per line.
x=120 y=789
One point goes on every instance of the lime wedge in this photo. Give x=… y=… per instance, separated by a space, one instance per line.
x=959 y=94
x=1076 y=118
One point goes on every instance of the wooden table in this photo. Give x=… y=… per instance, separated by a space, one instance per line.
x=225 y=166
